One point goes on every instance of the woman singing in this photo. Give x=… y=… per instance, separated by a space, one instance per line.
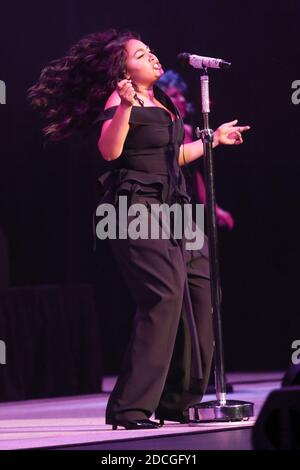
x=114 y=73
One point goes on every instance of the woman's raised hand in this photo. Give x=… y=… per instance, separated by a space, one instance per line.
x=126 y=92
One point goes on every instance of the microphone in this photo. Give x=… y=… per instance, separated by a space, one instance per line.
x=200 y=62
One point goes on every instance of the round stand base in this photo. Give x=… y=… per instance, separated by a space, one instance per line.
x=231 y=410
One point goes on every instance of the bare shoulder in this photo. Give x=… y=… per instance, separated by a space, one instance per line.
x=113 y=100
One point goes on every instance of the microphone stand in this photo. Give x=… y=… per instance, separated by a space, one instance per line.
x=221 y=409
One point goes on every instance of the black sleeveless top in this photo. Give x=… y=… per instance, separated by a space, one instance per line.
x=149 y=160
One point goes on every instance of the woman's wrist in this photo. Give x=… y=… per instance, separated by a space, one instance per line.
x=216 y=140
x=125 y=105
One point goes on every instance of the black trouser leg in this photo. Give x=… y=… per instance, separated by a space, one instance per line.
x=155 y=273
x=181 y=389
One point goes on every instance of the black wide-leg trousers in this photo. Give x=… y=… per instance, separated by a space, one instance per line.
x=156 y=372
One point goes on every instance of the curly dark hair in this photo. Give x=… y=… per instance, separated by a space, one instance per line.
x=72 y=90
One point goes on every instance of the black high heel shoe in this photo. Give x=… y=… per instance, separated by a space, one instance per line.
x=134 y=424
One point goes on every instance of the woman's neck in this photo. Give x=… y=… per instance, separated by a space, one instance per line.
x=146 y=91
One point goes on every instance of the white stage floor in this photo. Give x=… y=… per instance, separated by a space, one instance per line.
x=70 y=421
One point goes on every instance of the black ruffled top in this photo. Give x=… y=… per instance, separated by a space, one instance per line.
x=149 y=161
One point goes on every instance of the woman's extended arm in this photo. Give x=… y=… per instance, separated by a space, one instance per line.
x=227 y=134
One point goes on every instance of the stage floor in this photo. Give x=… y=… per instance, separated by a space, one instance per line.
x=78 y=422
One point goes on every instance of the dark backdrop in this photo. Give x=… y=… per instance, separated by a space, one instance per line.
x=48 y=193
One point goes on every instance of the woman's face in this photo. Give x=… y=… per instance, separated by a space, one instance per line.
x=143 y=66
x=178 y=99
